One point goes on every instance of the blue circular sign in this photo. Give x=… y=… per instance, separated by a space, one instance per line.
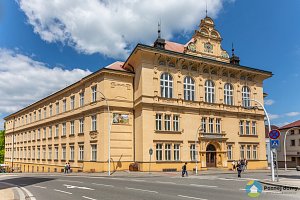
x=274 y=134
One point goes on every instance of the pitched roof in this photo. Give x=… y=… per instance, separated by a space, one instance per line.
x=118 y=65
x=173 y=46
x=291 y=125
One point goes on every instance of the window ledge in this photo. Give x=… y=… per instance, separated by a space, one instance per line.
x=80 y=134
x=80 y=161
x=168 y=161
x=63 y=136
x=72 y=135
x=168 y=132
x=244 y=135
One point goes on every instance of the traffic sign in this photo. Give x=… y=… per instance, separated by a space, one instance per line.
x=274 y=134
x=275 y=144
x=150 y=151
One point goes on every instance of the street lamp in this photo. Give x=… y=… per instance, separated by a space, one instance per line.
x=196 y=139
x=269 y=126
x=284 y=148
x=109 y=127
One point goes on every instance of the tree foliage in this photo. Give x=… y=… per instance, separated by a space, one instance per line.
x=2 y=146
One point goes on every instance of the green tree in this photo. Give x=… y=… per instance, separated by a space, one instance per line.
x=2 y=146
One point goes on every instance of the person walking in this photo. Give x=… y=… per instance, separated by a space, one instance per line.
x=184 y=170
x=245 y=163
x=66 y=168
x=242 y=164
x=69 y=168
x=239 y=169
x=233 y=165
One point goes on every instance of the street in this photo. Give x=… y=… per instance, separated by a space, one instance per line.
x=131 y=187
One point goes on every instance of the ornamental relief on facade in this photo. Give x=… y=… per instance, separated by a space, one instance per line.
x=116 y=84
x=93 y=135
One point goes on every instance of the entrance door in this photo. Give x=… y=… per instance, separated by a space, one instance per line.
x=211 y=156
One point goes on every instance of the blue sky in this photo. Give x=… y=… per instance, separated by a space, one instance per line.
x=62 y=42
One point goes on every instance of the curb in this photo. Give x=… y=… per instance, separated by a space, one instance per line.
x=279 y=184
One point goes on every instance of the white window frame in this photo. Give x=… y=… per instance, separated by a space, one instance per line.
x=189 y=88
x=211 y=125
x=242 y=151
x=254 y=132
x=94 y=93
x=72 y=128
x=81 y=152
x=72 y=102
x=166 y=85
x=246 y=96
x=241 y=126
x=176 y=152
x=159 y=151
x=254 y=152
x=50 y=132
x=56 y=153
x=209 y=91
x=193 y=152
x=72 y=154
x=64 y=105
x=81 y=125
x=247 y=127
x=158 y=121
x=167 y=122
x=64 y=129
x=63 y=152
x=218 y=125
x=168 y=151
x=94 y=123
x=81 y=99
x=229 y=152
x=93 y=152
x=228 y=94
x=56 y=130
x=49 y=152
x=248 y=154
x=57 y=108
x=175 y=122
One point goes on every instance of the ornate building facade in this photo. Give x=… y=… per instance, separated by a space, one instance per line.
x=187 y=102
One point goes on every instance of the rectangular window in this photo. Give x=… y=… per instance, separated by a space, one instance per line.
x=72 y=102
x=193 y=152
x=50 y=132
x=158 y=122
x=167 y=122
x=49 y=153
x=176 y=123
x=94 y=152
x=176 y=151
x=293 y=143
x=33 y=153
x=45 y=134
x=247 y=127
x=44 y=153
x=64 y=105
x=39 y=134
x=56 y=153
x=94 y=123
x=63 y=129
x=34 y=116
x=218 y=125
x=40 y=114
x=242 y=151
x=38 y=153
x=30 y=118
x=71 y=152
x=63 y=152
x=81 y=125
x=45 y=113
x=241 y=127
x=94 y=93
x=72 y=128
x=56 y=130
x=254 y=152
x=167 y=151
x=81 y=152
x=158 y=151
x=57 y=108
x=203 y=124
x=229 y=152
x=248 y=152
x=50 y=110
x=211 y=125
x=81 y=99
x=253 y=128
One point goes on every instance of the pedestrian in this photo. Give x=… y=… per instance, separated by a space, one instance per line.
x=184 y=171
x=242 y=164
x=246 y=163
x=66 y=168
x=233 y=165
x=69 y=168
x=239 y=169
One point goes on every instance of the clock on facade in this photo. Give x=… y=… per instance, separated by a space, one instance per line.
x=208 y=47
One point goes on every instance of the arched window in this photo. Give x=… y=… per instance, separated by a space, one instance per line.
x=228 y=94
x=189 y=88
x=246 y=96
x=209 y=91
x=166 y=85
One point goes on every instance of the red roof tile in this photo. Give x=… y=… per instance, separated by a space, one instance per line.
x=173 y=46
x=118 y=65
x=291 y=125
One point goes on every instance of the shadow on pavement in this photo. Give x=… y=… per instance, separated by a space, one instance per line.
x=22 y=181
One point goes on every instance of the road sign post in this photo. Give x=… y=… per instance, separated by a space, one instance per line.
x=275 y=144
x=150 y=153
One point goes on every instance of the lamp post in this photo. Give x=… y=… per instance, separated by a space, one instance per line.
x=196 y=139
x=284 y=148
x=269 y=126
x=13 y=146
x=109 y=127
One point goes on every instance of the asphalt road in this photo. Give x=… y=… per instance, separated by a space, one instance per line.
x=203 y=187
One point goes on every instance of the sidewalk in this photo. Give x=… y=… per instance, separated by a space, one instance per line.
x=7 y=193
x=289 y=178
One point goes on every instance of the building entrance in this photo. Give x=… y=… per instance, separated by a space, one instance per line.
x=211 y=156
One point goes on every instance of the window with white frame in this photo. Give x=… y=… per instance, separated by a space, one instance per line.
x=71 y=152
x=246 y=96
x=229 y=152
x=33 y=153
x=158 y=121
x=40 y=115
x=175 y=123
x=209 y=91
x=167 y=122
x=64 y=105
x=254 y=128
x=50 y=132
x=38 y=153
x=81 y=99
x=94 y=93
x=50 y=110
x=94 y=123
x=63 y=152
x=211 y=125
x=228 y=94
x=81 y=152
x=247 y=127
x=44 y=133
x=49 y=152
x=72 y=102
x=71 y=127
x=39 y=134
x=63 y=129
x=176 y=151
x=218 y=125
x=189 y=88
x=34 y=116
x=57 y=108
x=167 y=151
x=241 y=127
x=94 y=152
x=242 y=151
x=248 y=152
x=56 y=130
x=166 y=85
x=45 y=113
x=56 y=153
x=44 y=152
x=81 y=125
x=254 y=152
x=159 y=151
x=193 y=152
x=203 y=124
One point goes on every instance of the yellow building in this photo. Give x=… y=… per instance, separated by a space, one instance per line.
x=187 y=103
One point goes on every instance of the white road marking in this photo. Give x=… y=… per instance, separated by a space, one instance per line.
x=165 y=182
x=62 y=191
x=137 y=180
x=118 y=179
x=74 y=186
x=29 y=194
x=69 y=181
x=209 y=186
x=88 y=198
x=141 y=190
x=190 y=197
x=103 y=185
x=37 y=186
x=265 y=191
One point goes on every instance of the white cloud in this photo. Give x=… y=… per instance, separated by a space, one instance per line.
x=113 y=27
x=282 y=124
x=273 y=116
x=24 y=81
x=269 y=102
x=292 y=114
